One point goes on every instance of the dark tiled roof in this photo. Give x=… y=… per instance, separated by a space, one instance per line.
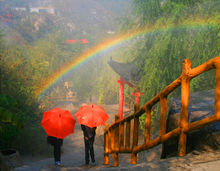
x=129 y=71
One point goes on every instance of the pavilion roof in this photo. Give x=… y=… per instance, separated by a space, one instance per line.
x=129 y=71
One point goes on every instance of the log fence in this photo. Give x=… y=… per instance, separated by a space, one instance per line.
x=118 y=136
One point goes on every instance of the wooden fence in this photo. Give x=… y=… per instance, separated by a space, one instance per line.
x=117 y=137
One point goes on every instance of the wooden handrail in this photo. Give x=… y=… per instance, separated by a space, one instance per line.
x=118 y=135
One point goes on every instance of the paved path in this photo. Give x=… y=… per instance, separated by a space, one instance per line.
x=73 y=159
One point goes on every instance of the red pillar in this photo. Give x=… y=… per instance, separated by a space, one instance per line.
x=122 y=82
x=121 y=97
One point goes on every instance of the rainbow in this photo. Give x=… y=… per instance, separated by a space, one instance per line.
x=107 y=45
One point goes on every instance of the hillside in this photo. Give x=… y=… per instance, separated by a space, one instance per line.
x=28 y=21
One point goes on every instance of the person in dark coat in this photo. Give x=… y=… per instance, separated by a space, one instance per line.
x=57 y=143
x=89 y=137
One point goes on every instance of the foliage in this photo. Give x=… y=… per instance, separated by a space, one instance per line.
x=191 y=30
x=8 y=112
x=147 y=11
x=18 y=109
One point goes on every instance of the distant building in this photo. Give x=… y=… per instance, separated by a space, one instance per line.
x=48 y=10
x=110 y=32
x=34 y=10
x=19 y=8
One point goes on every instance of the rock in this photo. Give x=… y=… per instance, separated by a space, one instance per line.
x=194 y=152
x=9 y=159
x=201 y=105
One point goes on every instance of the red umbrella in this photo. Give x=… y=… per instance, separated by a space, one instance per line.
x=58 y=123
x=91 y=115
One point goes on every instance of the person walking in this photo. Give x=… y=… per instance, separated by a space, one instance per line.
x=89 y=137
x=56 y=143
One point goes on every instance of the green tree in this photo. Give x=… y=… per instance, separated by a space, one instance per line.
x=192 y=32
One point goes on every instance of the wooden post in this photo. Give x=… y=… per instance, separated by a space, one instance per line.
x=109 y=141
x=147 y=125
x=116 y=117
x=185 y=83
x=116 y=145
x=135 y=135
x=163 y=114
x=135 y=140
x=128 y=134
x=106 y=146
x=122 y=136
x=116 y=141
x=136 y=107
x=217 y=90
x=112 y=135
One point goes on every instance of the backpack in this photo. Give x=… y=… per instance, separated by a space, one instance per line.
x=54 y=141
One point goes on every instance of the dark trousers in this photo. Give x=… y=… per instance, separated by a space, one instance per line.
x=57 y=152
x=89 y=149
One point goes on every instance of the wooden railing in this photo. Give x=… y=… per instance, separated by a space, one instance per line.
x=117 y=137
